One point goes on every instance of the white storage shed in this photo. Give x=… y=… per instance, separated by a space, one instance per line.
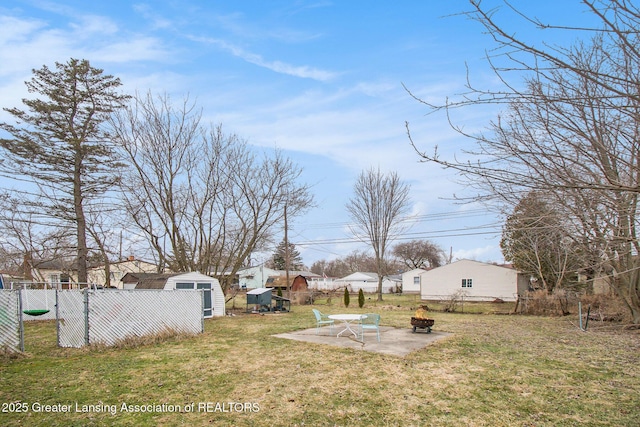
x=214 y=304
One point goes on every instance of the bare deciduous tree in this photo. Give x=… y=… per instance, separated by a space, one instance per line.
x=377 y=206
x=352 y=263
x=419 y=254
x=571 y=131
x=26 y=241
x=204 y=200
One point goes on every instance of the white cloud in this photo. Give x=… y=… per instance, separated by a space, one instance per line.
x=88 y=25
x=149 y=14
x=302 y=71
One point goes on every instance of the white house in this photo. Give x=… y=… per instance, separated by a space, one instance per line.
x=255 y=277
x=477 y=281
x=411 y=281
x=368 y=282
x=117 y=270
x=214 y=304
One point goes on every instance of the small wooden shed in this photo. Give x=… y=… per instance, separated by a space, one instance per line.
x=299 y=284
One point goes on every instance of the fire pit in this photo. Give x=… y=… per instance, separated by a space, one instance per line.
x=422 y=324
x=421 y=320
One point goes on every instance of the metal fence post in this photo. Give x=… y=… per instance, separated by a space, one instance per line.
x=20 y=321
x=202 y=309
x=86 y=316
x=580 y=314
x=57 y=320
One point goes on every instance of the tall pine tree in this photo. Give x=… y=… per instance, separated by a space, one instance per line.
x=60 y=145
x=278 y=260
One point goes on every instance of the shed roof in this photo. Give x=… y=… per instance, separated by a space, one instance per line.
x=148 y=280
x=259 y=291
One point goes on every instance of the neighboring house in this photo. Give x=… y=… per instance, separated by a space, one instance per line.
x=8 y=278
x=255 y=277
x=475 y=280
x=117 y=270
x=63 y=274
x=368 y=282
x=57 y=273
x=214 y=303
x=411 y=281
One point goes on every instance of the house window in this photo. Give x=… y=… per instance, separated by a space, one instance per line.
x=467 y=283
x=416 y=280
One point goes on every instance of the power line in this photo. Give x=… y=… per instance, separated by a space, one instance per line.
x=417 y=219
x=456 y=232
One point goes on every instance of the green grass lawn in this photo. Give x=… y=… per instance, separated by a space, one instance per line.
x=494 y=370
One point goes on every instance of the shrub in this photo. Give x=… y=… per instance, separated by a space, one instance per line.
x=451 y=303
x=346 y=297
x=360 y=298
x=542 y=303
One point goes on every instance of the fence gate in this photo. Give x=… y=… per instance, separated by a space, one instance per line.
x=11 y=329
x=71 y=323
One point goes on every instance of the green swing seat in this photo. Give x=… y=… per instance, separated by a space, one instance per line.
x=36 y=312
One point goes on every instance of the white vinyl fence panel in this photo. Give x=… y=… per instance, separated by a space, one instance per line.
x=71 y=314
x=11 y=333
x=109 y=316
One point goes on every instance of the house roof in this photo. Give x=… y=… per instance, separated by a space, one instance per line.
x=461 y=262
x=273 y=272
x=509 y=266
x=148 y=280
x=415 y=270
x=293 y=273
x=156 y=280
x=123 y=262
x=55 y=264
x=359 y=276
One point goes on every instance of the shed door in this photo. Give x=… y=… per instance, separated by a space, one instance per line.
x=208 y=302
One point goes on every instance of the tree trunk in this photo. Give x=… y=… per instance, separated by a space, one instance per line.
x=81 y=222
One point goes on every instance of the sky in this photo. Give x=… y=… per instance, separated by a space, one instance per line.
x=324 y=81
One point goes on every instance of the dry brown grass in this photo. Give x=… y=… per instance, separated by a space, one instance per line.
x=602 y=307
x=494 y=370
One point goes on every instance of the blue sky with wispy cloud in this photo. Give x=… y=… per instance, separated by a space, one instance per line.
x=321 y=80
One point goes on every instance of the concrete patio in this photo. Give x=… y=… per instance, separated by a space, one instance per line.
x=393 y=341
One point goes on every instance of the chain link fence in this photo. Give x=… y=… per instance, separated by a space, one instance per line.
x=72 y=318
x=41 y=301
x=11 y=332
x=107 y=316
x=104 y=317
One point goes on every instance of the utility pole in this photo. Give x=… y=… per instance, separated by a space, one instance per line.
x=286 y=251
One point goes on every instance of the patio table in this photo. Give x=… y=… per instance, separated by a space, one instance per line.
x=347 y=319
